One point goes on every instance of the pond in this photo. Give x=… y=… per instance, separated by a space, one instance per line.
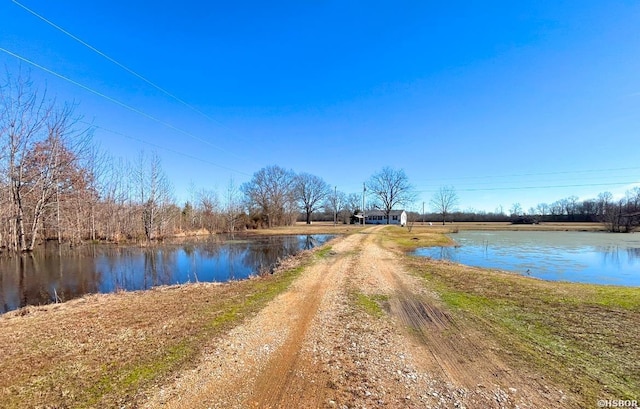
x=584 y=257
x=54 y=271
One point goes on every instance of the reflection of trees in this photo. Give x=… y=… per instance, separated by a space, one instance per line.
x=634 y=254
x=4 y=305
x=310 y=242
x=265 y=253
x=40 y=276
x=610 y=254
x=30 y=279
x=448 y=253
x=71 y=272
x=20 y=286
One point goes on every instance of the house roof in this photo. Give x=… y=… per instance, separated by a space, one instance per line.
x=377 y=212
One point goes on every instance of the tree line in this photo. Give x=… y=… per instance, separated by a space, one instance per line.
x=618 y=215
x=621 y=215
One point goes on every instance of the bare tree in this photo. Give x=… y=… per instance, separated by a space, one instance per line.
x=233 y=206
x=353 y=203
x=154 y=194
x=604 y=200
x=390 y=188
x=270 y=192
x=335 y=203
x=310 y=191
x=40 y=148
x=542 y=209
x=209 y=210
x=22 y=119
x=444 y=201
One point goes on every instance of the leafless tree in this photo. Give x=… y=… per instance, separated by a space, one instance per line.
x=353 y=203
x=444 y=201
x=23 y=117
x=232 y=206
x=271 y=193
x=391 y=188
x=604 y=200
x=154 y=194
x=310 y=191
x=209 y=210
x=335 y=203
x=542 y=209
x=40 y=149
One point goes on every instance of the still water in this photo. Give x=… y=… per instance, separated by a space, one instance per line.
x=58 y=271
x=585 y=257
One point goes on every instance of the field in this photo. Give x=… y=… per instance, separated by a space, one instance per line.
x=330 y=228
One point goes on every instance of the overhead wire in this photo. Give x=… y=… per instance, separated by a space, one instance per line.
x=115 y=101
x=537 y=187
x=537 y=174
x=542 y=184
x=186 y=155
x=119 y=64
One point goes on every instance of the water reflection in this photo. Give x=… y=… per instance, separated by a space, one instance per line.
x=59 y=272
x=599 y=258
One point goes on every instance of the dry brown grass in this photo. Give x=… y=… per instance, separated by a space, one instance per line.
x=103 y=350
x=314 y=228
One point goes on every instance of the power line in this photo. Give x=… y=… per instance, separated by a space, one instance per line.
x=537 y=174
x=115 y=101
x=538 y=187
x=501 y=184
x=114 y=61
x=186 y=155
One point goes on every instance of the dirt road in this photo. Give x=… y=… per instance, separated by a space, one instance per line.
x=316 y=346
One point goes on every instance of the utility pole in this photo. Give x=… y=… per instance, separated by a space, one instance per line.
x=422 y=212
x=335 y=205
x=364 y=191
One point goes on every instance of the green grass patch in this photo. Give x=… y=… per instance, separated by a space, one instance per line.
x=586 y=338
x=324 y=252
x=403 y=239
x=372 y=304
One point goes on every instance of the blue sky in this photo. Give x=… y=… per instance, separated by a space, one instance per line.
x=508 y=102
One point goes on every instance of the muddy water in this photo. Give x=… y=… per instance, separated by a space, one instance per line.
x=54 y=271
x=585 y=257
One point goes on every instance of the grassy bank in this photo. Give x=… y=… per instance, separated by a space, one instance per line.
x=584 y=338
x=105 y=350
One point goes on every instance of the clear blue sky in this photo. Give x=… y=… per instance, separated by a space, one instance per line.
x=540 y=96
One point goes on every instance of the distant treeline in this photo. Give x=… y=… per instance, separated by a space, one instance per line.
x=622 y=215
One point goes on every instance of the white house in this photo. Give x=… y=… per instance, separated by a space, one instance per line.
x=378 y=217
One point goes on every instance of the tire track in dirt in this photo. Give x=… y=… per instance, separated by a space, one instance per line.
x=291 y=379
x=459 y=356
x=261 y=363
